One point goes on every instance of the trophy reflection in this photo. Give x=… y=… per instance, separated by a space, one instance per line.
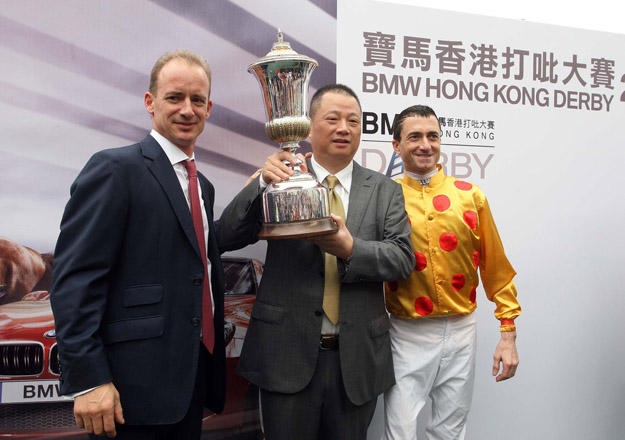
x=299 y=207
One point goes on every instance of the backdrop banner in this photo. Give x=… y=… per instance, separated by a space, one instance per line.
x=534 y=115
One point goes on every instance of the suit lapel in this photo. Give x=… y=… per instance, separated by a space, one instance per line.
x=161 y=168
x=359 y=197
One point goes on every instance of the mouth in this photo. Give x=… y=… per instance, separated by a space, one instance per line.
x=341 y=141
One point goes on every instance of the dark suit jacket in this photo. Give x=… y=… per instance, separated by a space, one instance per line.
x=282 y=341
x=127 y=286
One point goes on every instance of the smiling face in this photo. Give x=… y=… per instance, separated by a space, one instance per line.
x=420 y=144
x=181 y=105
x=335 y=131
x=21 y=268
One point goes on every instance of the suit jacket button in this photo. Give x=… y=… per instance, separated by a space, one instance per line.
x=318 y=313
x=195 y=321
x=197 y=282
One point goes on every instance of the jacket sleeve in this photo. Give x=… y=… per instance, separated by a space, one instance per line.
x=496 y=271
x=391 y=257
x=241 y=220
x=92 y=230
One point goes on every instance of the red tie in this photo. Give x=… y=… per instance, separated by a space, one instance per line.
x=208 y=328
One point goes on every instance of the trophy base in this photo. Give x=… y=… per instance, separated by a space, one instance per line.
x=301 y=229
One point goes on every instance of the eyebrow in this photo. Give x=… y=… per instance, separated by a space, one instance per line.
x=421 y=132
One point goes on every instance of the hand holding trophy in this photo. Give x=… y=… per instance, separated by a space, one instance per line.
x=298 y=207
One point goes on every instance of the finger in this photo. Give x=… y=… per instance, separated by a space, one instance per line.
x=97 y=425
x=276 y=172
x=108 y=421
x=290 y=157
x=119 y=414
x=302 y=162
x=253 y=176
x=506 y=373
x=338 y=220
x=79 y=420
x=495 y=367
x=88 y=423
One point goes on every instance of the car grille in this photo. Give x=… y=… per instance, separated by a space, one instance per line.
x=21 y=359
x=39 y=416
x=55 y=368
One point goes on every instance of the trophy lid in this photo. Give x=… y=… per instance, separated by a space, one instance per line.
x=281 y=51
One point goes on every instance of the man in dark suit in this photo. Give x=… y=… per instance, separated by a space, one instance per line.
x=320 y=371
x=137 y=277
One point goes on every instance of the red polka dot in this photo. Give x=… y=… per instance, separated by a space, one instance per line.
x=448 y=242
x=458 y=281
x=422 y=263
x=476 y=259
x=423 y=305
x=409 y=221
x=465 y=186
x=470 y=218
x=441 y=203
x=472 y=295
x=392 y=285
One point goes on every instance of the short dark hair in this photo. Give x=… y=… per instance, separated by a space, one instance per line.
x=186 y=55
x=414 y=110
x=331 y=88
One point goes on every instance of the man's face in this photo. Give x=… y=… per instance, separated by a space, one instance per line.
x=335 y=132
x=21 y=268
x=181 y=105
x=420 y=144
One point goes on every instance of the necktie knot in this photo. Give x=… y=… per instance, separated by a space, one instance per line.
x=191 y=168
x=332 y=181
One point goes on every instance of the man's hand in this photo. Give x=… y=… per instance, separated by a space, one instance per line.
x=98 y=410
x=340 y=243
x=505 y=354
x=253 y=176
x=275 y=170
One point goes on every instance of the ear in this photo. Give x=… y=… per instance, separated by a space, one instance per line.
x=311 y=127
x=208 y=109
x=396 y=146
x=148 y=100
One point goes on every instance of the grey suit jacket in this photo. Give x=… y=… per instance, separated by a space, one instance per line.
x=282 y=341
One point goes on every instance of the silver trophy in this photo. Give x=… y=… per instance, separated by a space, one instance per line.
x=298 y=207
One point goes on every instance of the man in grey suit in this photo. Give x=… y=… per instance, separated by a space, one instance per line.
x=319 y=371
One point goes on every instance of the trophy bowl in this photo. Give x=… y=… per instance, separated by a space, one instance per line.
x=298 y=207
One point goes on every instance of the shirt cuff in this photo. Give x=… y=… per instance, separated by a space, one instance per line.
x=261 y=181
x=80 y=393
x=507 y=325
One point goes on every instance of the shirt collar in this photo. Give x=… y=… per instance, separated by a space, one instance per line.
x=344 y=176
x=435 y=181
x=421 y=176
x=174 y=154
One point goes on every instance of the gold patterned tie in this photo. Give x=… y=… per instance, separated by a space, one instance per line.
x=332 y=286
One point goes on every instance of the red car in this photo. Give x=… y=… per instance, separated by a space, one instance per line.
x=30 y=405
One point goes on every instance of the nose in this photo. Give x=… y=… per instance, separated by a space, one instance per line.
x=342 y=126
x=186 y=109
x=424 y=144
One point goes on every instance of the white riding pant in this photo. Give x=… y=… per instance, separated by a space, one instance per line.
x=433 y=357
